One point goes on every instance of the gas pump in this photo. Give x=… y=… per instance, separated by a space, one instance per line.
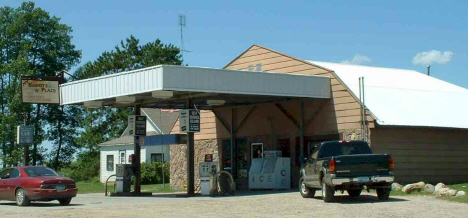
x=124 y=173
x=207 y=170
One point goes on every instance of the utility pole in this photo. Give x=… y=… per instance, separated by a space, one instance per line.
x=428 y=70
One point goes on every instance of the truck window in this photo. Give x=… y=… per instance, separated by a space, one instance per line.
x=346 y=148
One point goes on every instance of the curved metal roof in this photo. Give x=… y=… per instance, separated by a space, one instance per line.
x=406 y=97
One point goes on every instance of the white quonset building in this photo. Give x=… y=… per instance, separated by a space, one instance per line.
x=117 y=151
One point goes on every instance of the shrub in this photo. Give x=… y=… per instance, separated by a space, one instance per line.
x=151 y=173
x=85 y=168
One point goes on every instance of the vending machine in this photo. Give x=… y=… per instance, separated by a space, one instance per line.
x=270 y=173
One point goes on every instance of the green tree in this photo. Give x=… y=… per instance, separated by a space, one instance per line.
x=103 y=124
x=32 y=43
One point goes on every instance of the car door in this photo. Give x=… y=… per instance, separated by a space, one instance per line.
x=4 y=175
x=11 y=183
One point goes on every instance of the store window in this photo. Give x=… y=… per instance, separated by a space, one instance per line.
x=256 y=150
x=157 y=157
x=110 y=162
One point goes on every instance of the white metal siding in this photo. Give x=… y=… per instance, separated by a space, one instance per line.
x=245 y=82
x=179 y=78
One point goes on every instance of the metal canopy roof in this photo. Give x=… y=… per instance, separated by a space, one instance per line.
x=200 y=84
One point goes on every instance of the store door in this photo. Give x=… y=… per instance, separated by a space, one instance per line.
x=242 y=157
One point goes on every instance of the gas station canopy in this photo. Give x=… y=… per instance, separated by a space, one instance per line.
x=175 y=87
x=166 y=86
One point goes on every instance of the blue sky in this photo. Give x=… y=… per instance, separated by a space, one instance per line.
x=380 y=33
x=376 y=33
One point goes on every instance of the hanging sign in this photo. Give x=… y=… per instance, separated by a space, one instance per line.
x=189 y=121
x=40 y=91
x=25 y=135
x=137 y=125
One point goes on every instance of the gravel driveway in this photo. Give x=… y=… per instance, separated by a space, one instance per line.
x=253 y=204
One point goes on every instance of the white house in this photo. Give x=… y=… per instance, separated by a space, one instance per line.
x=117 y=151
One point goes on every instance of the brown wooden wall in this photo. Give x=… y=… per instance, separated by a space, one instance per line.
x=424 y=154
x=207 y=125
x=335 y=115
x=341 y=113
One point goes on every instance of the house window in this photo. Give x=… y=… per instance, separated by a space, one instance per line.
x=157 y=157
x=259 y=67
x=110 y=162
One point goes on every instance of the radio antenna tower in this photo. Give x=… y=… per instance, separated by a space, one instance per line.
x=182 y=25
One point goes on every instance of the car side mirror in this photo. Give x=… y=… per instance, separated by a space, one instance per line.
x=303 y=160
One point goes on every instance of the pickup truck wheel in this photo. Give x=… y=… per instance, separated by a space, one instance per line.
x=305 y=191
x=354 y=192
x=327 y=192
x=383 y=193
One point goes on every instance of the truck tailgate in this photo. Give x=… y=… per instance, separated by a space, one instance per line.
x=362 y=165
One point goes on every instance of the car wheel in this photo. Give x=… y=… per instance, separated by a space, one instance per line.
x=65 y=201
x=327 y=192
x=305 y=191
x=354 y=192
x=21 y=198
x=383 y=193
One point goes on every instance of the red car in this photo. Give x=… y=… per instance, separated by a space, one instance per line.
x=26 y=184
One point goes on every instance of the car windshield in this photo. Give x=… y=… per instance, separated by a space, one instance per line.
x=39 y=171
x=350 y=148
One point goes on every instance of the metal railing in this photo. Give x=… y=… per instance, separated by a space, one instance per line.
x=107 y=180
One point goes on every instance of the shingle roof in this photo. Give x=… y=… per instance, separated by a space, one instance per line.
x=406 y=97
x=163 y=120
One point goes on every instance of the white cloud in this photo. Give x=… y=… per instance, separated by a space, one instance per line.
x=358 y=60
x=434 y=56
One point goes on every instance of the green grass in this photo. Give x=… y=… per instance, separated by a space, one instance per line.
x=85 y=187
x=458 y=187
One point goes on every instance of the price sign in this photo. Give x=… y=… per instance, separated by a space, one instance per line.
x=137 y=125
x=25 y=135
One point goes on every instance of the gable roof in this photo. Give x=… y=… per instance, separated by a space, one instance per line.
x=157 y=118
x=164 y=120
x=160 y=121
x=406 y=97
